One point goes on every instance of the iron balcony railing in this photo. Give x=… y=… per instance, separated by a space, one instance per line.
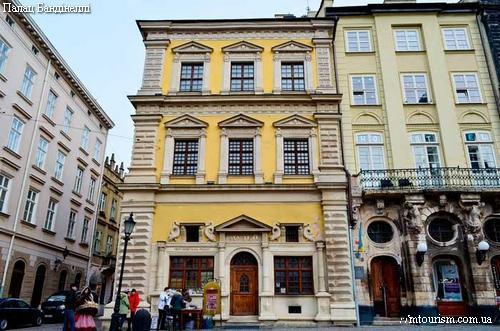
x=434 y=178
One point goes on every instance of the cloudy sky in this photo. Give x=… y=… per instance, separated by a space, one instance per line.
x=105 y=49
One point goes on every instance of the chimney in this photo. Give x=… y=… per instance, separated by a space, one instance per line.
x=112 y=163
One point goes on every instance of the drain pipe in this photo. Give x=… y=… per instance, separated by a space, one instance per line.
x=347 y=174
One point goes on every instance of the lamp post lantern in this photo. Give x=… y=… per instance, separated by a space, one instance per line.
x=128 y=227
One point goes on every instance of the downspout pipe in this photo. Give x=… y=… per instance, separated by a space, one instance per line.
x=347 y=174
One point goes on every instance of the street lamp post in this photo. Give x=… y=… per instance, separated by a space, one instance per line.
x=128 y=227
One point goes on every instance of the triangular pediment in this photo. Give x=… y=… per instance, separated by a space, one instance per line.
x=241 y=121
x=186 y=122
x=295 y=121
x=243 y=223
x=242 y=47
x=192 y=47
x=291 y=46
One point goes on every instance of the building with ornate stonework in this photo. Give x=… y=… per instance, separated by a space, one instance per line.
x=237 y=172
x=421 y=136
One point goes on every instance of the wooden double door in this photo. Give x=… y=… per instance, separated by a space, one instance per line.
x=244 y=285
x=385 y=286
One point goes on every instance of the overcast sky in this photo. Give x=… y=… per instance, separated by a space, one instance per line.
x=105 y=49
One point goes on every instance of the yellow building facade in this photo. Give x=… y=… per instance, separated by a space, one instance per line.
x=237 y=170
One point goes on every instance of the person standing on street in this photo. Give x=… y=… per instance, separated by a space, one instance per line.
x=162 y=302
x=124 y=308
x=133 y=299
x=69 y=309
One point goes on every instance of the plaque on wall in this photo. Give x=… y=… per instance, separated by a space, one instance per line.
x=359 y=272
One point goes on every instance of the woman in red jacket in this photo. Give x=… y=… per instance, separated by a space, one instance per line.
x=134 y=300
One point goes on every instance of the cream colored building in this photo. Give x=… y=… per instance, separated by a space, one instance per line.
x=52 y=140
x=421 y=137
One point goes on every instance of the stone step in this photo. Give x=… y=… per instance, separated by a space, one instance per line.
x=381 y=321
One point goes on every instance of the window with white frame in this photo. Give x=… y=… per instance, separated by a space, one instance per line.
x=109 y=245
x=4 y=54
x=97 y=242
x=91 y=191
x=185 y=157
x=97 y=150
x=68 y=116
x=30 y=206
x=370 y=148
x=480 y=150
x=51 y=215
x=241 y=156
x=455 y=39
x=102 y=201
x=425 y=148
x=28 y=81
x=77 y=187
x=59 y=167
x=363 y=90
x=4 y=190
x=407 y=40
x=466 y=88
x=112 y=212
x=51 y=104
x=296 y=156
x=358 y=41
x=415 y=88
x=191 y=77
x=85 y=138
x=242 y=76
x=85 y=230
x=41 y=152
x=16 y=130
x=70 y=233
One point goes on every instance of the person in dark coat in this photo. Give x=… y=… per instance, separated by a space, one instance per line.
x=177 y=303
x=141 y=320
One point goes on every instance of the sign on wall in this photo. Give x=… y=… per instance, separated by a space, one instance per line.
x=211 y=298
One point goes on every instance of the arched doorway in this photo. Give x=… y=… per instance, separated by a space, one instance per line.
x=62 y=280
x=448 y=282
x=16 y=280
x=384 y=272
x=78 y=279
x=244 y=284
x=36 y=297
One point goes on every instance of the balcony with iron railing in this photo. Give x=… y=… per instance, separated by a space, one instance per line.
x=430 y=179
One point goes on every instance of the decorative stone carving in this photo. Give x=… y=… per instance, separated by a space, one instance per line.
x=443 y=201
x=317 y=230
x=175 y=232
x=380 y=206
x=412 y=218
x=210 y=232
x=472 y=217
x=276 y=232
x=308 y=233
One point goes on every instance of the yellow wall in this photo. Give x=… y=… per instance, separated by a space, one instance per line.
x=217 y=61
x=269 y=213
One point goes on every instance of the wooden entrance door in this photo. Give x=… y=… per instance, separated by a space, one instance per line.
x=244 y=284
x=450 y=297
x=385 y=286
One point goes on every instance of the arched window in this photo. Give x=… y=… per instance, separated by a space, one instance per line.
x=36 y=296
x=16 y=280
x=442 y=230
x=380 y=232
x=62 y=280
x=370 y=148
x=492 y=229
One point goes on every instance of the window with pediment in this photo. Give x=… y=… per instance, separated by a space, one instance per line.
x=242 y=68
x=292 y=67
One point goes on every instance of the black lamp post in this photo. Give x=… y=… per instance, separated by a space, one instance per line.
x=128 y=227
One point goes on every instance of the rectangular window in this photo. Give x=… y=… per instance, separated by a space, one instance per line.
x=41 y=152
x=292 y=76
x=85 y=138
x=97 y=242
x=296 y=156
x=358 y=41
x=363 y=90
x=109 y=245
x=59 y=168
x=51 y=104
x=28 y=81
x=425 y=150
x=415 y=88
x=407 y=40
x=480 y=150
x=185 y=157
x=102 y=201
x=90 y=194
x=292 y=233
x=242 y=76
x=77 y=187
x=466 y=88
x=30 y=206
x=70 y=233
x=85 y=230
x=4 y=53
x=192 y=233
x=68 y=116
x=4 y=189
x=240 y=156
x=97 y=150
x=370 y=151
x=51 y=215
x=16 y=130
x=112 y=213
x=191 y=77
x=293 y=275
x=455 y=39
x=190 y=272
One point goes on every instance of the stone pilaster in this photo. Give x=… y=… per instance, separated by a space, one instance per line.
x=324 y=65
x=153 y=67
